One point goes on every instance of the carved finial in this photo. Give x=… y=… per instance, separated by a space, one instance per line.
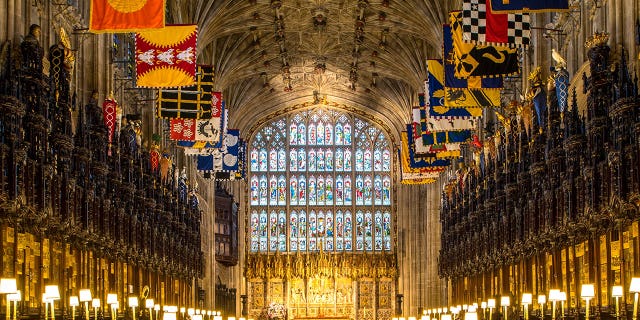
x=597 y=40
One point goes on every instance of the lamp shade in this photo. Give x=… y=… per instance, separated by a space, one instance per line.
x=491 y=303
x=634 y=286
x=196 y=317
x=95 y=303
x=527 y=298
x=183 y=310
x=17 y=296
x=149 y=303
x=505 y=301
x=73 y=301
x=52 y=292
x=588 y=291
x=169 y=316
x=85 y=295
x=190 y=311
x=483 y=304
x=562 y=296
x=470 y=316
x=554 y=295
x=8 y=285
x=542 y=299
x=45 y=298
x=616 y=291
x=133 y=301
x=112 y=298
x=445 y=317
x=156 y=307
x=115 y=306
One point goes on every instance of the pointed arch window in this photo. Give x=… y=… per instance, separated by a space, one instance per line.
x=320 y=180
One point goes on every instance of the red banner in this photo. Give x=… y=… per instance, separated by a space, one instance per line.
x=166 y=57
x=183 y=129
x=126 y=15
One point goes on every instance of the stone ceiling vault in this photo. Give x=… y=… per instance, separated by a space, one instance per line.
x=271 y=54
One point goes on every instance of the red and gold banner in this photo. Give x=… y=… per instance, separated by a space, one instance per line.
x=126 y=15
x=166 y=57
x=109 y=113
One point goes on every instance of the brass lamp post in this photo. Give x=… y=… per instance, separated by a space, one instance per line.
x=527 y=299
x=587 y=293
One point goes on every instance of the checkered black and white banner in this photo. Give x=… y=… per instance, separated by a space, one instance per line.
x=475 y=14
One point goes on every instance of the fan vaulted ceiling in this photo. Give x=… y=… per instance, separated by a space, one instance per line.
x=273 y=54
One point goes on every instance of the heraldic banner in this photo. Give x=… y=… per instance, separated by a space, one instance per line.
x=126 y=15
x=166 y=57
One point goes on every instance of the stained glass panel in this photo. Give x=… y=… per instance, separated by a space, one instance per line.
x=306 y=195
x=293 y=231
x=293 y=191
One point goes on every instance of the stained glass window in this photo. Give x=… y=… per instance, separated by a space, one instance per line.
x=320 y=180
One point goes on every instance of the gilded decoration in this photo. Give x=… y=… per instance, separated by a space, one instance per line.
x=322 y=264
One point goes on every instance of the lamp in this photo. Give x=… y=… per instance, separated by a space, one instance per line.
x=95 y=303
x=85 y=296
x=46 y=301
x=112 y=300
x=527 y=299
x=73 y=303
x=8 y=285
x=156 y=308
x=149 y=303
x=634 y=287
x=587 y=293
x=133 y=303
x=562 y=297
x=505 y=302
x=471 y=314
x=15 y=297
x=542 y=299
x=491 y=303
x=446 y=316
x=553 y=297
x=53 y=294
x=616 y=292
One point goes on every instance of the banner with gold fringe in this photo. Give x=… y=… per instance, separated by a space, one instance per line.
x=192 y=102
x=166 y=57
x=126 y=15
x=478 y=60
x=457 y=103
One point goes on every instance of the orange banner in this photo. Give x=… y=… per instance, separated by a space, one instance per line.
x=126 y=15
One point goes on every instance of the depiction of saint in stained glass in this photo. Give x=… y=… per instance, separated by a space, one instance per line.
x=347 y=134
x=329 y=226
x=254 y=191
x=301 y=161
x=329 y=160
x=339 y=134
x=254 y=160
x=320 y=190
x=359 y=160
x=312 y=160
x=263 y=191
x=347 y=160
x=302 y=189
x=294 y=226
x=347 y=191
x=320 y=133
x=302 y=134
x=368 y=192
x=263 y=160
x=263 y=225
x=329 y=191
x=339 y=192
x=367 y=160
x=339 y=226
x=320 y=160
x=386 y=160
x=255 y=226
x=293 y=134
x=293 y=190
x=377 y=187
x=273 y=225
x=339 y=160
x=312 y=191
x=386 y=191
x=328 y=134
x=377 y=161
x=312 y=134
x=273 y=189
x=293 y=157
x=359 y=191
x=281 y=191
